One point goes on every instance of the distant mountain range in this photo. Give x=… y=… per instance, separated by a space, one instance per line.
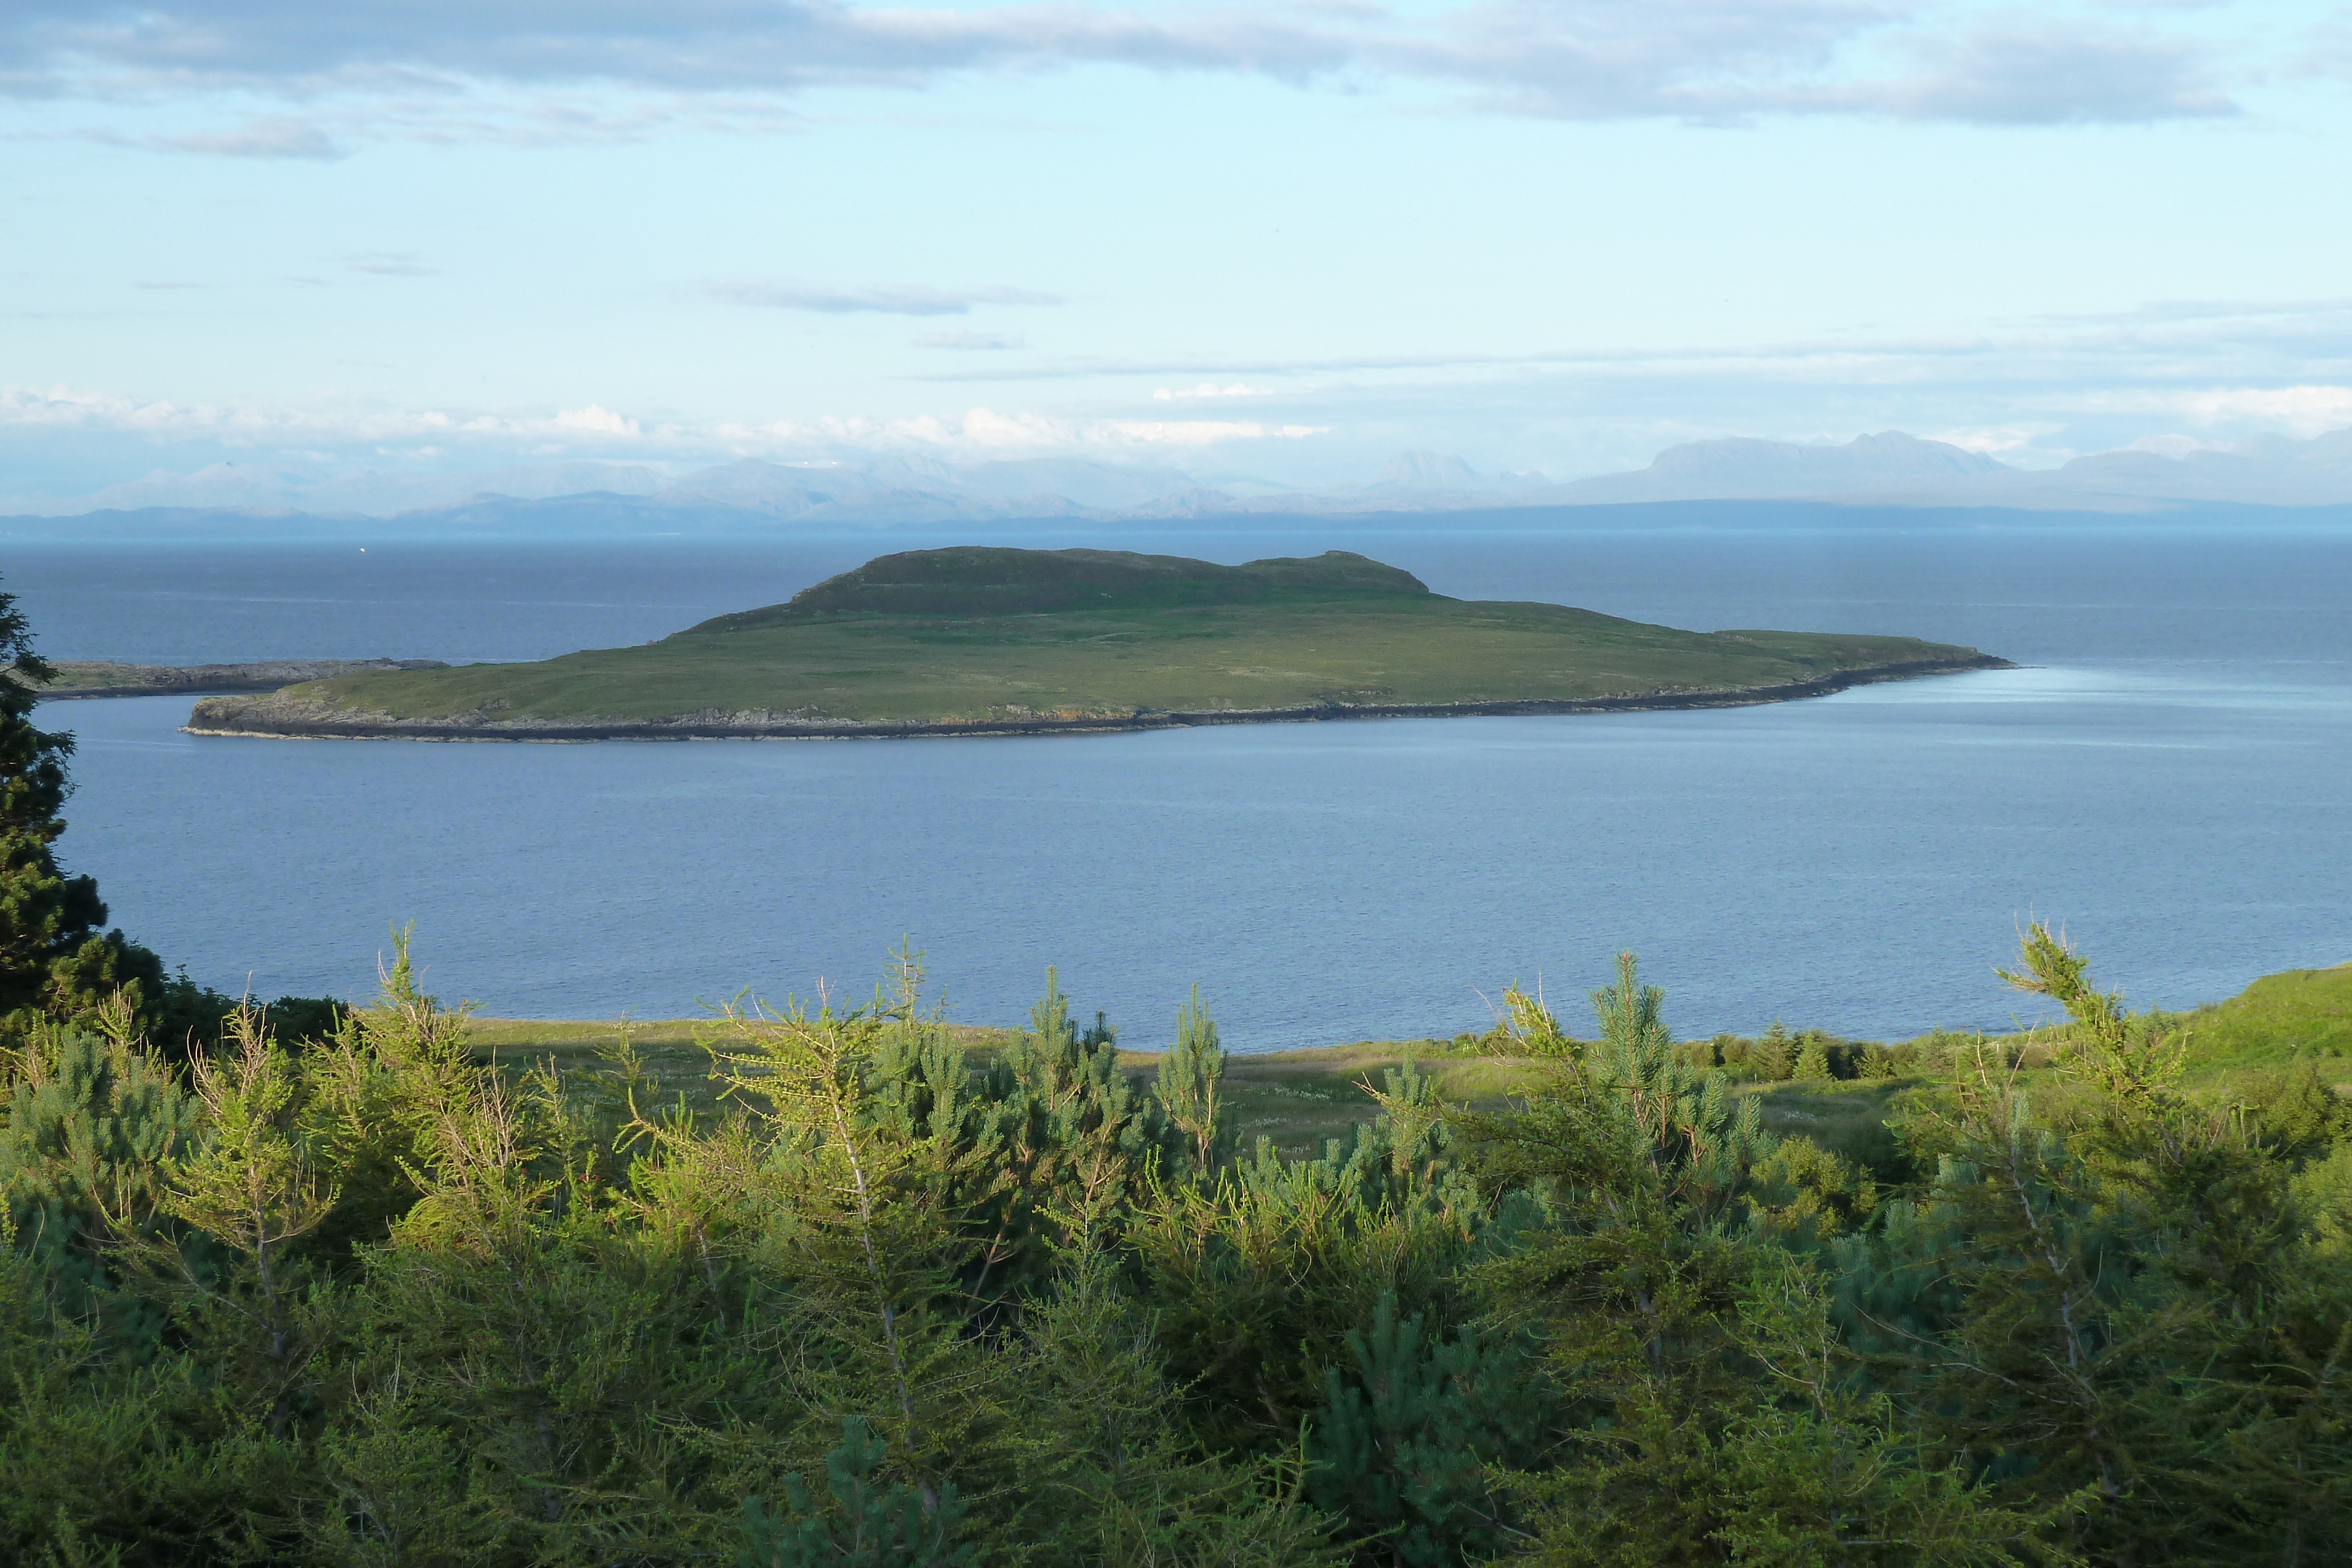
x=1895 y=469
x=1889 y=469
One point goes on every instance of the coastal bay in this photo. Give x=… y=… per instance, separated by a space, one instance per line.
x=2164 y=774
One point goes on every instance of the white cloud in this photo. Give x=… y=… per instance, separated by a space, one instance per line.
x=244 y=426
x=984 y=430
x=594 y=426
x=430 y=69
x=2021 y=445
x=1992 y=441
x=256 y=138
x=1206 y=432
x=2175 y=445
x=2054 y=71
x=964 y=338
x=1209 y=388
x=597 y=420
x=902 y=300
x=2304 y=411
x=2166 y=353
x=385 y=264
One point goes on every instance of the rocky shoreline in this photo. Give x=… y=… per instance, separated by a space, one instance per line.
x=279 y=717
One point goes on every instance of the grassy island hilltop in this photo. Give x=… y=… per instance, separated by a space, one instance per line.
x=975 y=640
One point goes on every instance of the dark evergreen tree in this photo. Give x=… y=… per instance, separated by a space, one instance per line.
x=88 y=1126
x=862 y=1524
x=57 y=959
x=1405 y=1440
x=1077 y=1141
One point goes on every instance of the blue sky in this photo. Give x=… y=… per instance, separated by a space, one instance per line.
x=1273 y=241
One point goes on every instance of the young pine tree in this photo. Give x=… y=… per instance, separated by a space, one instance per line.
x=1190 y=1077
x=248 y=1190
x=1813 y=1058
x=1077 y=1141
x=92 y=1124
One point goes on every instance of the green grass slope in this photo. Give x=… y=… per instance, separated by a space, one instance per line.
x=998 y=638
x=2299 y=1012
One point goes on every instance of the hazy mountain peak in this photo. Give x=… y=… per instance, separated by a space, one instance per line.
x=1747 y=469
x=1893 y=446
x=744 y=477
x=1421 y=470
x=1874 y=459
x=2333 y=450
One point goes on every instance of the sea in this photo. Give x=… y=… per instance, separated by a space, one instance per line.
x=2167 y=776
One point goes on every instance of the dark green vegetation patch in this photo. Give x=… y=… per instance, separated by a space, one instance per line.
x=968 y=581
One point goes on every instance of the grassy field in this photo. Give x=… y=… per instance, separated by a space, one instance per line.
x=1299 y=1098
x=1005 y=639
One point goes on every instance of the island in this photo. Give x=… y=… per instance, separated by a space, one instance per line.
x=985 y=641
x=109 y=678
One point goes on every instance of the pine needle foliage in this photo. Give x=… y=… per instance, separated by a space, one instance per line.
x=1812 y=1064
x=2102 y=1310
x=1625 y=1126
x=382 y=1299
x=94 y=1125
x=1080 y=1144
x=59 y=964
x=861 y=1524
x=1261 y=1273
x=1412 y=1432
x=1190 y=1073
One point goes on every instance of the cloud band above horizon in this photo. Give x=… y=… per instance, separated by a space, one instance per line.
x=1704 y=61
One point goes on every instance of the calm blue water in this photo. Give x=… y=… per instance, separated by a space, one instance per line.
x=2170 y=780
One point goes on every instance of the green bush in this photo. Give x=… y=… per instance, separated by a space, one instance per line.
x=376 y=1301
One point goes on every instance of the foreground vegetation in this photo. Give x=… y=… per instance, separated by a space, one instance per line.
x=882 y=1299
x=365 y=1286
x=1008 y=640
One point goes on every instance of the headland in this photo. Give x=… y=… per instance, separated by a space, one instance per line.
x=109 y=678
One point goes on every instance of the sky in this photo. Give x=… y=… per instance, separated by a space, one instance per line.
x=1273 y=241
